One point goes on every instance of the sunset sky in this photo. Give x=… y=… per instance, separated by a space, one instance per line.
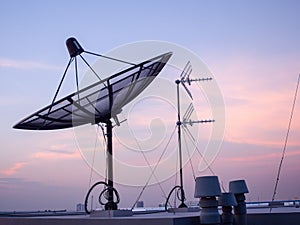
x=251 y=47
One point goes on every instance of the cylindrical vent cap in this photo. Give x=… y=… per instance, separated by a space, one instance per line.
x=207 y=186
x=227 y=199
x=238 y=187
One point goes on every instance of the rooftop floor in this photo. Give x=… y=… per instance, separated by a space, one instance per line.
x=278 y=216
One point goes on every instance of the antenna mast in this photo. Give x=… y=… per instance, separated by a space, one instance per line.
x=184 y=78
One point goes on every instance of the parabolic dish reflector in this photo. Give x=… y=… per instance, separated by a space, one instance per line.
x=99 y=101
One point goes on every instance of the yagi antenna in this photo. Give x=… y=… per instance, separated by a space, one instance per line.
x=186 y=71
x=187 y=90
x=188 y=112
x=185 y=77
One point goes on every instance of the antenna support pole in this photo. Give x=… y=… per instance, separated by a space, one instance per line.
x=110 y=205
x=182 y=195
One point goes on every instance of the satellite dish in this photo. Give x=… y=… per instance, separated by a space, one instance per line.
x=96 y=103
x=99 y=101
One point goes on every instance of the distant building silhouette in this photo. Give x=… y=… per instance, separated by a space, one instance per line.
x=80 y=207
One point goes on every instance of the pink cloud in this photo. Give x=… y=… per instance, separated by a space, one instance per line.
x=58 y=147
x=51 y=155
x=14 y=168
x=259 y=158
x=263 y=120
x=10 y=63
x=259 y=99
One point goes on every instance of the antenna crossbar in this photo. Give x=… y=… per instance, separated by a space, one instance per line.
x=189 y=81
x=191 y=122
